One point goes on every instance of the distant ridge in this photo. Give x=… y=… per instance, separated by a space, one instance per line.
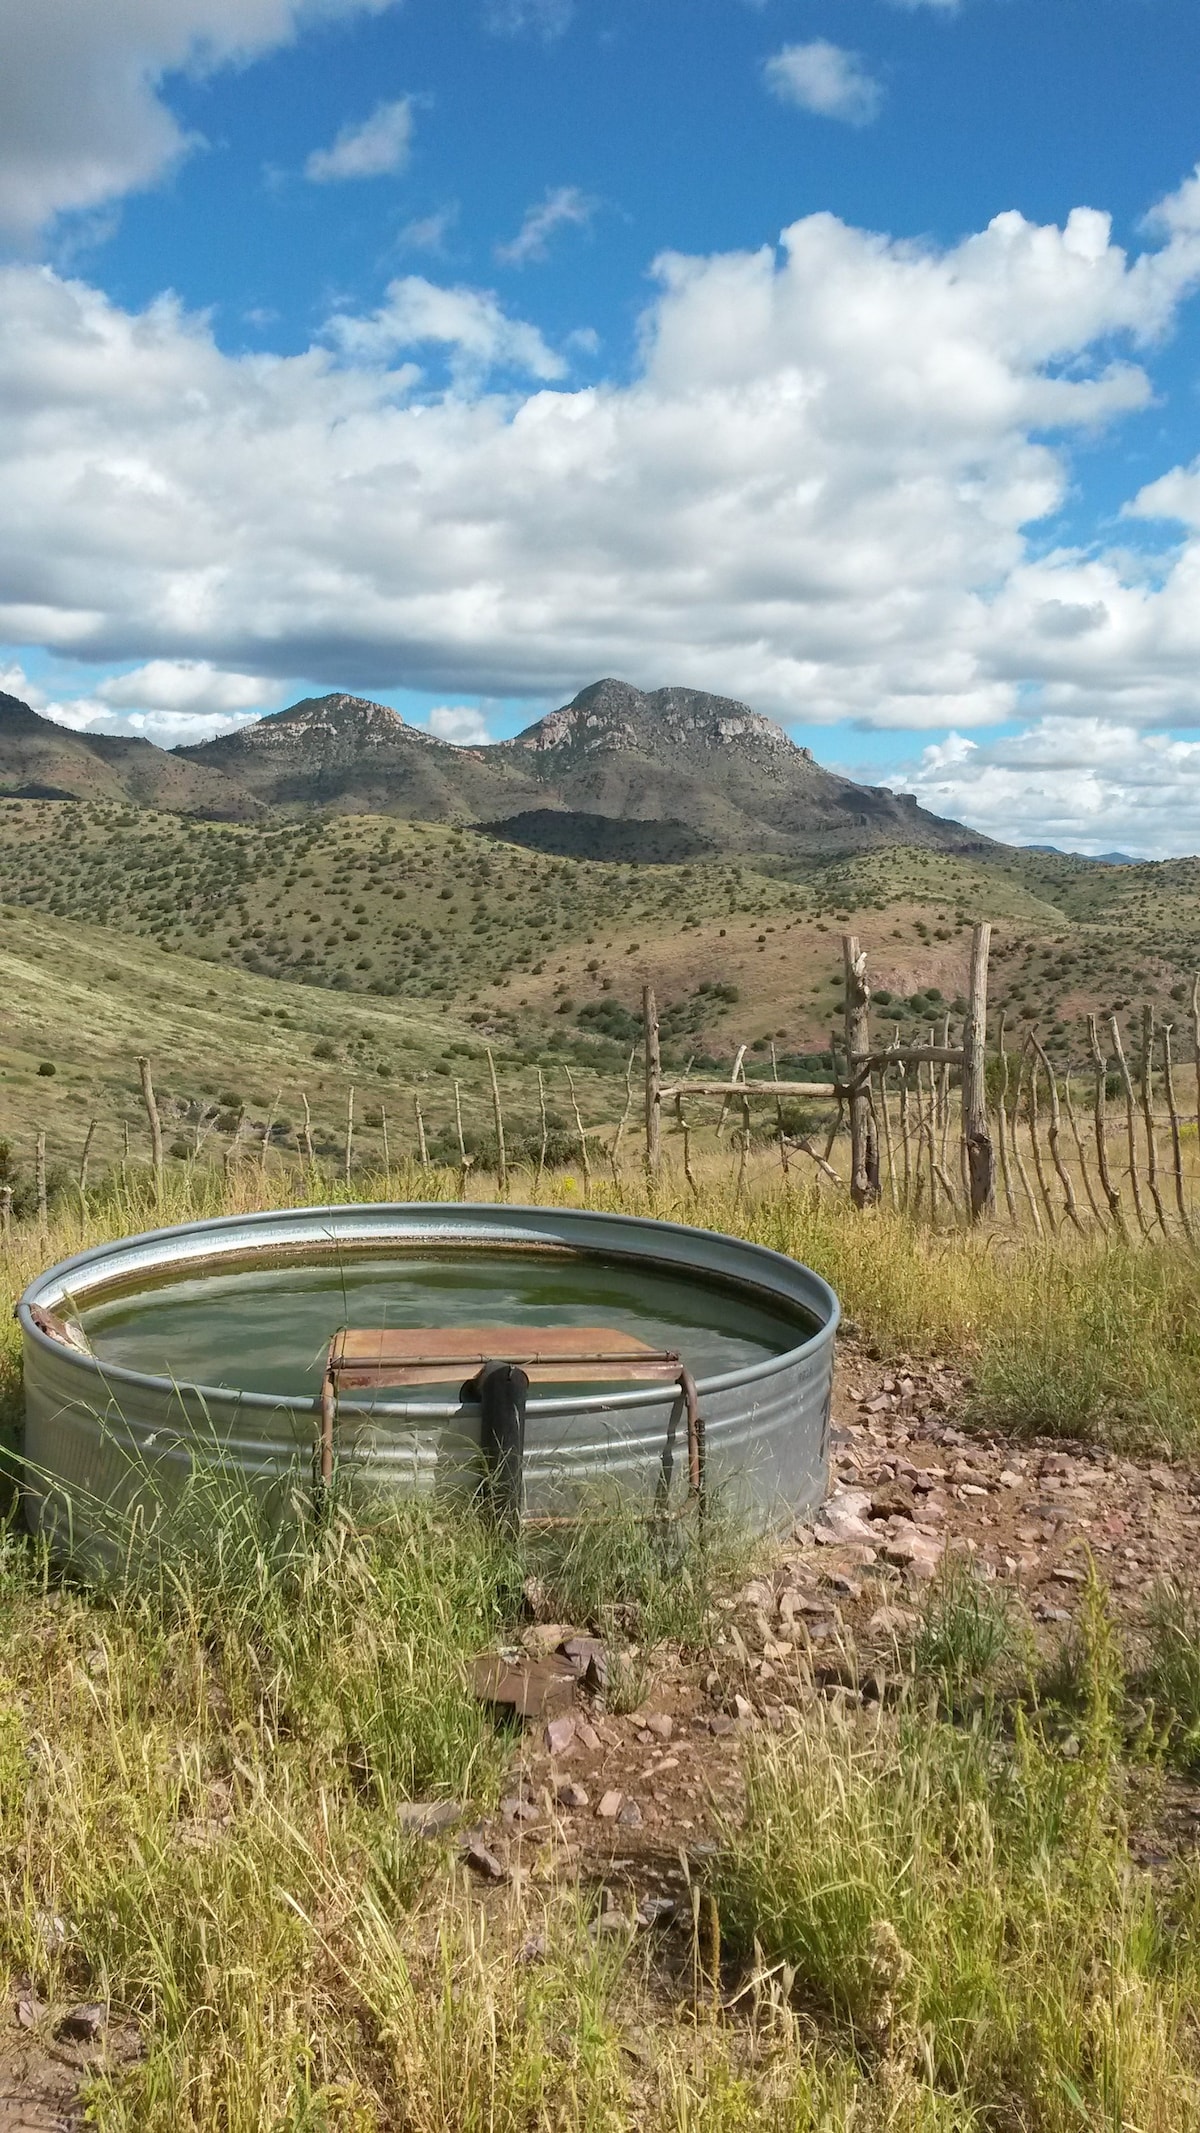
x=618 y=772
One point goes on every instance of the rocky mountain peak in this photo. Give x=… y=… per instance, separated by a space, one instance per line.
x=613 y=714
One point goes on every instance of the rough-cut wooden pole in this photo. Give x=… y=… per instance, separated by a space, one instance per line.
x=653 y=1081
x=1146 y=1079
x=1114 y=1031
x=1081 y=1152
x=977 y=1138
x=686 y=1136
x=781 y=1136
x=422 y=1143
x=736 y=1078
x=1110 y=1191
x=6 y=1200
x=614 y=1154
x=39 y=1174
x=1176 y=1139
x=864 y=1155
x=349 y=1131
x=1196 y=1041
x=888 y=1150
x=463 y=1160
x=928 y=1126
x=387 y=1152
x=1018 y=1158
x=1002 y=1123
x=498 y=1115
x=584 y=1159
x=1035 y=1143
x=542 y=1114
x=309 y=1157
x=905 y=1137
x=83 y=1171
x=1070 y=1207
x=156 y=1141
x=944 y=1092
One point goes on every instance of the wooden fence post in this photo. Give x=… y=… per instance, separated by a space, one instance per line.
x=864 y=1154
x=498 y=1115
x=39 y=1172
x=653 y=1081
x=1110 y=1191
x=156 y=1145
x=349 y=1132
x=977 y=1139
x=6 y=1200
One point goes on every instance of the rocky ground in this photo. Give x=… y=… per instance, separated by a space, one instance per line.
x=625 y=1800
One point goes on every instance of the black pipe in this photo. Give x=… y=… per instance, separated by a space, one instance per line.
x=502 y=1390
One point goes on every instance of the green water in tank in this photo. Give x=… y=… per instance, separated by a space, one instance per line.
x=265 y=1326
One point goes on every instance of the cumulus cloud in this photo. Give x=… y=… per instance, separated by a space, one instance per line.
x=1086 y=784
x=467 y=728
x=82 y=116
x=815 y=492
x=378 y=147
x=825 y=79
x=187 y=687
x=471 y=323
x=564 y=207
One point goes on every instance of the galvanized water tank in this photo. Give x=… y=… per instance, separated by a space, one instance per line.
x=97 y=1434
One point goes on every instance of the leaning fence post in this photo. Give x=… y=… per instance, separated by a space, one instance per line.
x=39 y=1172
x=498 y=1115
x=1114 y=1031
x=156 y=1145
x=1176 y=1145
x=6 y=1200
x=1110 y=1191
x=653 y=1081
x=349 y=1131
x=977 y=1139
x=83 y=1172
x=1147 y=1087
x=864 y=1155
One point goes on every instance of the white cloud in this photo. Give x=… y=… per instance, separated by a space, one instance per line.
x=825 y=79
x=378 y=147
x=564 y=207
x=546 y=18
x=459 y=723
x=167 y=729
x=428 y=233
x=82 y=117
x=1085 y=784
x=186 y=686
x=815 y=492
x=471 y=322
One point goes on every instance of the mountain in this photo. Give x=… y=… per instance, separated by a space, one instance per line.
x=674 y=772
x=40 y=760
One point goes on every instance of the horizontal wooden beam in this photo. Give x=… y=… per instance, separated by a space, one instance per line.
x=910 y=1054
x=750 y=1088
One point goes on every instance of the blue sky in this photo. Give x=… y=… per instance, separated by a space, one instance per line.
x=446 y=351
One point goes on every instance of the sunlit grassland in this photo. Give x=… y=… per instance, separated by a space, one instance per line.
x=929 y=1915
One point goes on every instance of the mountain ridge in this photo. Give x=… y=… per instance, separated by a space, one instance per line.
x=658 y=766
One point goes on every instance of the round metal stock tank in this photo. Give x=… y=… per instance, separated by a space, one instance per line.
x=98 y=1433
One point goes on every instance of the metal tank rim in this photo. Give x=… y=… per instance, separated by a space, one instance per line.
x=709 y=1253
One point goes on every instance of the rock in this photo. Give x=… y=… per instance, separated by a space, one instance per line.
x=629 y=1814
x=610 y=1806
x=656 y=1910
x=526 y=1689
x=29 y=2011
x=83 y=2025
x=744 y=1710
x=719 y=1724
x=890 y=1621
x=919 y=1553
x=428 y=1818
x=587 y=1735
x=609 y=1921
x=758 y=1594
x=568 y=1794
x=542 y=1639
x=559 y=1735
x=483 y=1862
x=532 y=1950
x=657 y=1723
x=516 y=1809
x=891 y=1501
x=843 y=1517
